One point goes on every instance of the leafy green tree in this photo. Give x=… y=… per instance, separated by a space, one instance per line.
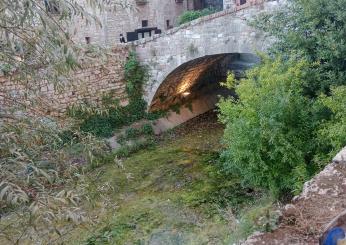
x=332 y=132
x=314 y=30
x=269 y=135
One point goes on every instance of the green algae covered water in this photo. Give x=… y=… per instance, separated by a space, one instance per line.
x=172 y=193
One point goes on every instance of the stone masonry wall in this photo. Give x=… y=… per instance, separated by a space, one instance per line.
x=127 y=19
x=88 y=84
x=225 y=32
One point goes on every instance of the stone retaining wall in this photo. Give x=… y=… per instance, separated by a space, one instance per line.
x=311 y=213
x=88 y=84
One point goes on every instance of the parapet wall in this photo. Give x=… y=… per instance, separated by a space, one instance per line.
x=88 y=84
x=235 y=11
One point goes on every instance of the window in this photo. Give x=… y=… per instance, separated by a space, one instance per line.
x=52 y=6
x=87 y=40
x=144 y=23
x=242 y=2
x=167 y=24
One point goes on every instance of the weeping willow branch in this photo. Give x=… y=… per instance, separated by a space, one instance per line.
x=35 y=36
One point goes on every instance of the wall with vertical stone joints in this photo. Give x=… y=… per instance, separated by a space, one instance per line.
x=88 y=84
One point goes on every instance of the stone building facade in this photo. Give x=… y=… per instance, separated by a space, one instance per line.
x=137 y=14
x=239 y=4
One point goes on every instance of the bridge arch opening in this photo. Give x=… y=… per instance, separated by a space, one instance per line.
x=194 y=87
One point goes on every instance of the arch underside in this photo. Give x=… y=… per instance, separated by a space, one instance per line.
x=198 y=78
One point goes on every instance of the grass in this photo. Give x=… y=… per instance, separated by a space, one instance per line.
x=173 y=193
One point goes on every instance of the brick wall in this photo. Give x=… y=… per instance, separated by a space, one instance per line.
x=90 y=83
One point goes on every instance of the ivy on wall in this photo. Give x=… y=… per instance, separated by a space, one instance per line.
x=135 y=76
x=104 y=119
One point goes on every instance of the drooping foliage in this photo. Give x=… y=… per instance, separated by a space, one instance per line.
x=38 y=155
x=36 y=33
x=38 y=158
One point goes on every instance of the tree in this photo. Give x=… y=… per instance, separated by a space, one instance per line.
x=281 y=130
x=35 y=34
x=269 y=135
x=314 y=30
x=35 y=151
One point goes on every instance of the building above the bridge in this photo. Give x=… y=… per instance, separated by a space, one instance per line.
x=141 y=18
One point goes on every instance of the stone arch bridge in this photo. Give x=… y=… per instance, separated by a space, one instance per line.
x=189 y=61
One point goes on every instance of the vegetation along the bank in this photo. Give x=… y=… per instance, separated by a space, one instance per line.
x=60 y=183
x=289 y=117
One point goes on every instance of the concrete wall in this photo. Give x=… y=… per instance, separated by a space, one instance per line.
x=88 y=84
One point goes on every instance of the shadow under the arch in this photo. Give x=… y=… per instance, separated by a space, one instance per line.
x=194 y=87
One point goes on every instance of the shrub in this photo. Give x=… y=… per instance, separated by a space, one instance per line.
x=270 y=130
x=194 y=14
x=132 y=133
x=332 y=132
x=98 y=125
x=39 y=161
x=147 y=129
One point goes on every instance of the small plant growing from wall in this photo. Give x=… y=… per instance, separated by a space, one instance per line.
x=192 y=49
x=153 y=52
x=195 y=14
x=135 y=75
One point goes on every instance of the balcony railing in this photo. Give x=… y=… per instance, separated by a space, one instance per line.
x=141 y=2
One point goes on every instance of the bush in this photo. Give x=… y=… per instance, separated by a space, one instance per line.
x=98 y=125
x=132 y=133
x=147 y=129
x=194 y=14
x=270 y=130
x=332 y=132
